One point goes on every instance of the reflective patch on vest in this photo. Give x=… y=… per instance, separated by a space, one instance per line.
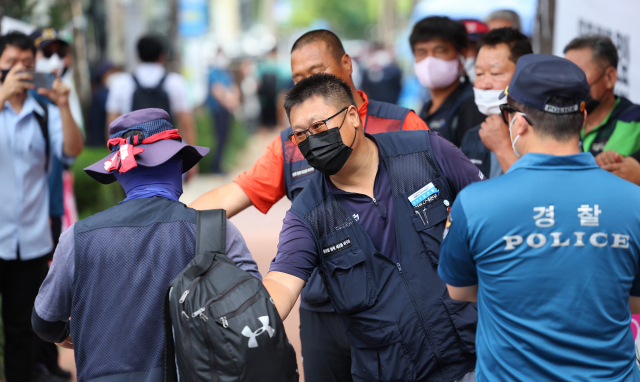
x=302 y=172
x=336 y=247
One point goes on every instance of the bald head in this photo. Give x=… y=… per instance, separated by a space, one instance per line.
x=333 y=43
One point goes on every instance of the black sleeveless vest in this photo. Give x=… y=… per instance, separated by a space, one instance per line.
x=125 y=258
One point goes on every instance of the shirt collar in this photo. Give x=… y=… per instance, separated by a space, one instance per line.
x=362 y=110
x=145 y=66
x=604 y=121
x=582 y=161
x=464 y=84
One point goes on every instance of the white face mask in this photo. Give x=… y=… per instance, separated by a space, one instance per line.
x=53 y=64
x=469 y=65
x=488 y=101
x=513 y=142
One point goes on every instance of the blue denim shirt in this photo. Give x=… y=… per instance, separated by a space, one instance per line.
x=24 y=211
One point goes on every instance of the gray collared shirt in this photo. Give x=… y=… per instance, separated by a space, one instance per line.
x=24 y=210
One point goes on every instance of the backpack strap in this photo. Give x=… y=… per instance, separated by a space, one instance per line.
x=43 y=121
x=211 y=236
x=159 y=86
x=170 y=370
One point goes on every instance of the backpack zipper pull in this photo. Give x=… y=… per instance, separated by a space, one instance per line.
x=197 y=312
x=225 y=323
x=185 y=315
x=184 y=296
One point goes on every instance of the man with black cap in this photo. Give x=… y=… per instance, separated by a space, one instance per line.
x=110 y=271
x=552 y=264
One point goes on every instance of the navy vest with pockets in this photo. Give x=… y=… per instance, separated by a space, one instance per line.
x=382 y=117
x=125 y=258
x=400 y=320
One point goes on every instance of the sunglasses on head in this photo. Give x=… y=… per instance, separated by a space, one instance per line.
x=505 y=110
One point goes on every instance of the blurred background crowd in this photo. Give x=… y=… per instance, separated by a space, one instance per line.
x=225 y=64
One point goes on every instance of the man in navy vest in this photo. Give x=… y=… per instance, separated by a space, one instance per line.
x=371 y=219
x=283 y=171
x=110 y=272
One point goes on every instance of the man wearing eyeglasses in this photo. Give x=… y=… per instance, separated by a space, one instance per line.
x=283 y=171
x=556 y=278
x=371 y=219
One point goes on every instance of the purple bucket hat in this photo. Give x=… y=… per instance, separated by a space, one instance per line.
x=148 y=123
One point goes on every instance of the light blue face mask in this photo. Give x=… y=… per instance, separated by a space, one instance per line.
x=513 y=142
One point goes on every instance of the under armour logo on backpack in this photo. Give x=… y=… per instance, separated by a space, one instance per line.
x=253 y=343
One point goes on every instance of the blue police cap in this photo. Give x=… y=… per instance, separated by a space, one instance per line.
x=539 y=77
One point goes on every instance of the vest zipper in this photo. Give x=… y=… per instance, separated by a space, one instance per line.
x=424 y=324
x=375 y=202
x=200 y=312
x=212 y=357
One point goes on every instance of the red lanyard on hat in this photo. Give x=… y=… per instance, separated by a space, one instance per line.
x=124 y=159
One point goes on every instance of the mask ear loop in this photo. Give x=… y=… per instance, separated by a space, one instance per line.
x=355 y=128
x=513 y=144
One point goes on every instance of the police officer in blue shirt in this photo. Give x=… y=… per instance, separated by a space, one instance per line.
x=553 y=260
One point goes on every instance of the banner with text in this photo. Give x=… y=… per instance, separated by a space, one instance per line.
x=618 y=20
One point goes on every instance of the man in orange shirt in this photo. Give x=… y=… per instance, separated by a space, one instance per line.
x=282 y=170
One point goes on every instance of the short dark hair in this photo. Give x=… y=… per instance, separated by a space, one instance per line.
x=333 y=42
x=441 y=27
x=150 y=48
x=561 y=127
x=605 y=52
x=333 y=90
x=518 y=44
x=17 y=39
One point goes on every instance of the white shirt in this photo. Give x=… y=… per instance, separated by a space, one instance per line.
x=149 y=75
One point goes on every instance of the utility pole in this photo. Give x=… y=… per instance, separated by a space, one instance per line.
x=81 y=76
x=387 y=23
x=543 y=31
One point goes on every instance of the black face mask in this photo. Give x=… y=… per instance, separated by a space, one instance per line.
x=590 y=104
x=325 y=151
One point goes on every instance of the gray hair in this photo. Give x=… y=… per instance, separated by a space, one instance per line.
x=505 y=14
x=604 y=51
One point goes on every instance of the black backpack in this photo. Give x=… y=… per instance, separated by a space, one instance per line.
x=220 y=322
x=144 y=98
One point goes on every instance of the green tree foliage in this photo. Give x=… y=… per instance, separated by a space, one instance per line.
x=349 y=19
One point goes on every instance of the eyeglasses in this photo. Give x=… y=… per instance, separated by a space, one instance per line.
x=505 y=110
x=297 y=137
